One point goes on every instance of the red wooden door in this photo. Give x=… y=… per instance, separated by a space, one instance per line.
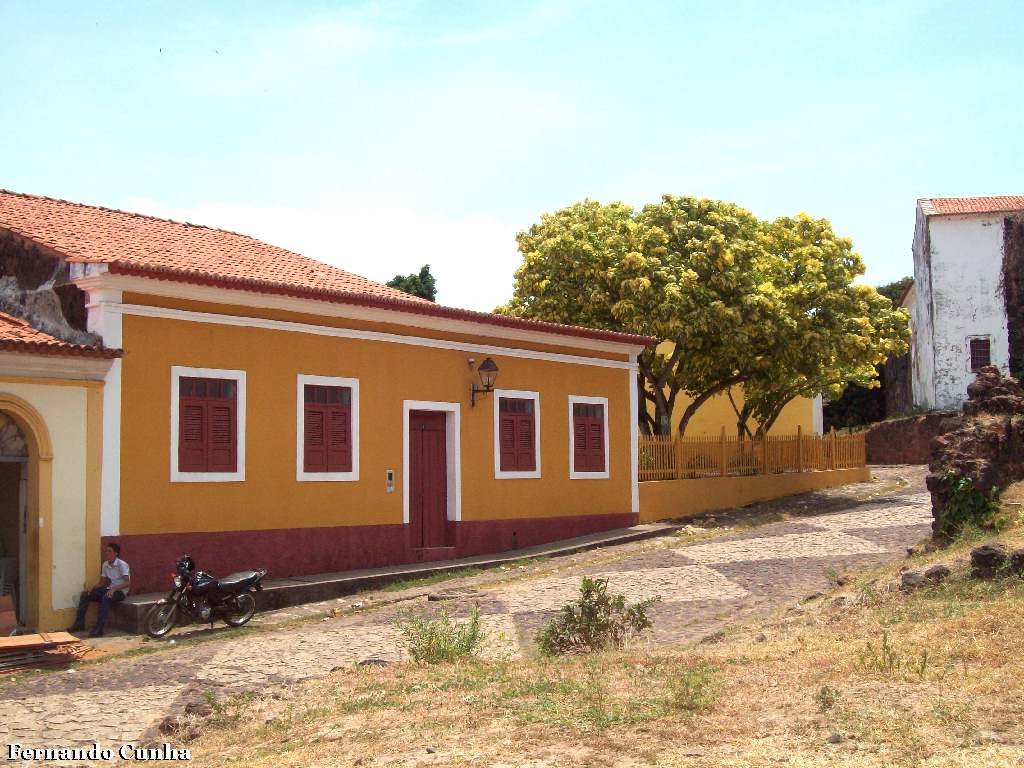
x=428 y=478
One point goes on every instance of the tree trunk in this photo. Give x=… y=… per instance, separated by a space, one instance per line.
x=742 y=417
x=655 y=388
x=702 y=398
x=763 y=428
x=643 y=416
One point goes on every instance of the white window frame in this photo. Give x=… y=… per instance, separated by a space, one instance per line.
x=573 y=474
x=301 y=475
x=177 y=476
x=517 y=394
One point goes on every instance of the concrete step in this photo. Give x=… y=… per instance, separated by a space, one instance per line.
x=130 y=614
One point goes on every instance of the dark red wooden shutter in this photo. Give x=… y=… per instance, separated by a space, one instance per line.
x=525 y=446
x=315 y=431
x=192 y=436
x=588 y=438
x=339 y=441
x=328 y=429
x=507 y=441
x=207 y=425
x=517 y=439
x=579 y=444
x=595 y=445
x=981 y=354
x=221 y=441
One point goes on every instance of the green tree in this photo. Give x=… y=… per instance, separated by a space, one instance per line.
x=832 y=333
x=712 y=298
x=422 y=285
x=894 y=290
x=860 y=404
x=683 y=269
x=770 y=306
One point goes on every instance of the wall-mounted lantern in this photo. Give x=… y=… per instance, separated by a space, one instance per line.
x=488 y=371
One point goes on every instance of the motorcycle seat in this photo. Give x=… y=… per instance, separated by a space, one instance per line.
x=237 y=580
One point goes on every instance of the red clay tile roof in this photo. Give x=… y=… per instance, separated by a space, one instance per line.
x=944 y=206
x=18 y=336
x=132 y=243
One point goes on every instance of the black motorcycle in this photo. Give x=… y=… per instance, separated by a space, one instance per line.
x=197 y=594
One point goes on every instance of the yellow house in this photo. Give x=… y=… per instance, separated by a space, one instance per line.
x=717 y=413
x=266 y=409
x=50 y=437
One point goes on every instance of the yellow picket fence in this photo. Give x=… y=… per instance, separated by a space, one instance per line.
x=677 y=458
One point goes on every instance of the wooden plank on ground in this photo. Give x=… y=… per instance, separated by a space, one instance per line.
x=58 y=655
x=41 y=641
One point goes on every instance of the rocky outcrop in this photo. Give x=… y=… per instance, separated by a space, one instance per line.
x=989 y=561
x=35 y=286
x=904 y=441
x=985 y=444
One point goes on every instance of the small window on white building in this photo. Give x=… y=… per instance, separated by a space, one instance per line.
x=981 y=353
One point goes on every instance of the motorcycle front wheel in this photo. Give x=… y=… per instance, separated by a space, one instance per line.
x=240 y=610
x=161 y=619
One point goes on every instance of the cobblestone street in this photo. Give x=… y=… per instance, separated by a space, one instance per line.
x=722 y=578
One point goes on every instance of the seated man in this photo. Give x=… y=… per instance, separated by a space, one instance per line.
x=111 y=588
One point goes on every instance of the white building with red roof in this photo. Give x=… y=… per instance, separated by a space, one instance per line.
x=959 y=308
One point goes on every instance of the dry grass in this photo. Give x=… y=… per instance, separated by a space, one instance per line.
x=929 y=679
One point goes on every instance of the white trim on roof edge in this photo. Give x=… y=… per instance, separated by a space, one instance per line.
x=351 y=333
x=90 y=277
x=71 y=367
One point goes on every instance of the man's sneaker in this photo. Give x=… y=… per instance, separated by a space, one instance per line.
x=96 y=633
x=75 y=628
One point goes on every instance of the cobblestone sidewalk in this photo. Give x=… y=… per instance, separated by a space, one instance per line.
x=702 y=587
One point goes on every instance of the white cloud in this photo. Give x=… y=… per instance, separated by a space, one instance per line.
x=473 y=258
x=289 y=55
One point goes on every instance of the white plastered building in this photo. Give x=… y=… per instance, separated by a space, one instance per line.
x=958 y=312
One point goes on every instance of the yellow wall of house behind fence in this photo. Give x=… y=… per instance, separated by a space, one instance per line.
x=667 y=499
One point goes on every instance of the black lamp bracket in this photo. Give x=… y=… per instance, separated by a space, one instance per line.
x=474 y=390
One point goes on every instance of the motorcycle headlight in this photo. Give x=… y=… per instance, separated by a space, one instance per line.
x=178 y=581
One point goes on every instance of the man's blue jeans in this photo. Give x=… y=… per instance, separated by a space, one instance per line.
x=96 y=595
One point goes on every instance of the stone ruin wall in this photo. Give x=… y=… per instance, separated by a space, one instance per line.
x=1013 y=290
x=985 y=443
x=906 y=440
x=35 y=287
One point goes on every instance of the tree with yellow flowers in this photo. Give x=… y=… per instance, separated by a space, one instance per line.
x=833 y=332
x=767 y=305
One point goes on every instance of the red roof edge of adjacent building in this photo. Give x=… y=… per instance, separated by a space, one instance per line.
x=16 y=335
x=365 y=300
x=950 y=206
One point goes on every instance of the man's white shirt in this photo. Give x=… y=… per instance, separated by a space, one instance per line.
x=117 y=574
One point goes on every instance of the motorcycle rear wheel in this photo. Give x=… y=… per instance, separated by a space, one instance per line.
x=245 y=607
x=161 y=619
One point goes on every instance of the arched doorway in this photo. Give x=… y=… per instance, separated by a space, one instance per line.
x=28 y=446
x=14 y=545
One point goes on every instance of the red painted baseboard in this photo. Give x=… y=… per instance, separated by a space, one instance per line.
x=288 y=552
x=478 y=537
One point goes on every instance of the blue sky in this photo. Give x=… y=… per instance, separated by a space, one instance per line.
x=380 y=136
